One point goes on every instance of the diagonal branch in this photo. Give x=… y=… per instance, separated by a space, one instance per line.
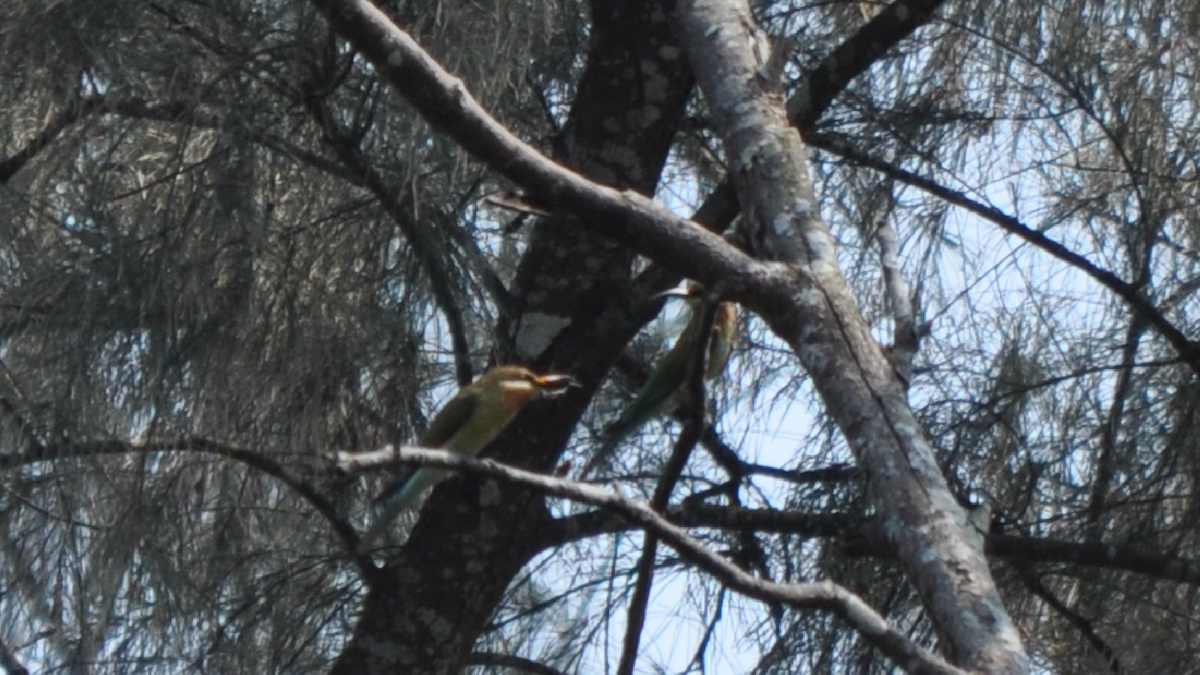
x=941 y=553
x=1137 y=301
x=820 y=86
x=1083 y=625
x=864 y=538
x=873 y=627
x=443 y=100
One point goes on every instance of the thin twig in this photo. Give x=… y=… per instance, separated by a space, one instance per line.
x=694 y=398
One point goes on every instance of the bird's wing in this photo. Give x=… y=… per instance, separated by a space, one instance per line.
x=651 y=400
x=720 y=340
x=449 y=419
x=655 y=395
x=403 y=495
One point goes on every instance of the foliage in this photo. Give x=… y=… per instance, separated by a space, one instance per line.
x=220 y=225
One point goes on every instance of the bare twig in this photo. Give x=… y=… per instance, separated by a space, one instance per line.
x=1131 y=294
x=254 y=460
x=693 y=426
x=1083 y=625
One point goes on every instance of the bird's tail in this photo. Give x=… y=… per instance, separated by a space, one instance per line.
x=650 y=402
x=401 y=499
x=613 y=435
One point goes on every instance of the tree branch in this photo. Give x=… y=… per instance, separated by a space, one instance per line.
x=942 y=555
x=1187 y=349
x=873 y=627
x=624 y=215
x=820 y=86
x=867 y=540
x=306 y=490
x=1084 y=626
x=905 y=334
x=693 y=426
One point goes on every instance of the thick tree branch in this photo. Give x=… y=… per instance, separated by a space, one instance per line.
x=1126 y=558
x=905 y=335
x=627 y=216
x=865 y=538
x=820 y=86
x=940 y=551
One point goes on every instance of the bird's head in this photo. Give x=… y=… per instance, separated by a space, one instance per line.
x=690 y=292
x=519 y=384
x=724 y=325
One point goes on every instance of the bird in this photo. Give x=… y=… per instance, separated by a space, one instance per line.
x=660 y=393
x=466 y=424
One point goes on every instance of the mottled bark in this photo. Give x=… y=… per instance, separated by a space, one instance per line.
x=941 y=552
x=574 y=312
x=803 y=298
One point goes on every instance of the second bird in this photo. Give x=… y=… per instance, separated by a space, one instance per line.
x=660 y=394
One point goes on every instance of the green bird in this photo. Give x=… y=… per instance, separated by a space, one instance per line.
x=660 y=394
x=471 y=420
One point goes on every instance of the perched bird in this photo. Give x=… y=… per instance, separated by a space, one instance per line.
x=471 y=420
x=660 y=393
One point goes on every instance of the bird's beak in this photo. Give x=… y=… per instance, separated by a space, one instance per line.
x=552 y=384
x=678 y=292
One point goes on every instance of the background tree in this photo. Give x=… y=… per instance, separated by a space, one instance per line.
x=229 y=248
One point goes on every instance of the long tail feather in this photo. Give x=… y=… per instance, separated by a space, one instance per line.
x=602 y=455
x=401 y=500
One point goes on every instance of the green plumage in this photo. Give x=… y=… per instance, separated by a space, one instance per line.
x=466 y=424
x=660 y=394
